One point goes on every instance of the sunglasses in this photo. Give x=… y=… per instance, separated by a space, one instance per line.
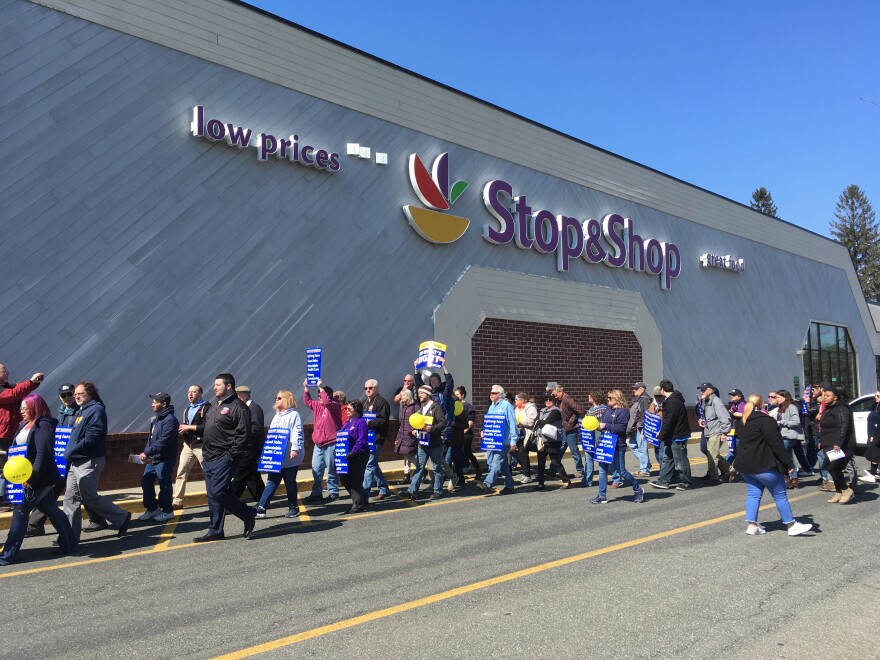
x=278 y=398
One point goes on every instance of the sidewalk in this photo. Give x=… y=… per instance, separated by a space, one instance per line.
x=130 y=499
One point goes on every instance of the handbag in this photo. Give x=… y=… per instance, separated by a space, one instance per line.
x=549 y=432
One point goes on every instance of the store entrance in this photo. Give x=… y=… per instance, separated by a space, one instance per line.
x=525 y=356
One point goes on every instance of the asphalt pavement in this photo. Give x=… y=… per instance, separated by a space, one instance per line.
x=524 y=575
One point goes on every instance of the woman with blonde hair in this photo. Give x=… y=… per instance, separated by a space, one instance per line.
x=614 y=421
x=286 y=422
x=763 y=462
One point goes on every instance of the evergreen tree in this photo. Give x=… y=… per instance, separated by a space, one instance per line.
x=855 y=226
x=762 y=201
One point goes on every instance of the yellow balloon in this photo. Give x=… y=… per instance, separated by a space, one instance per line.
x=417 y=421
x=520 y=416
x=17 y=470
x=458 y=408
x=590 y=423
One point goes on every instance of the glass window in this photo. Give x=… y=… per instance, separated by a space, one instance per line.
x=829 y=356
x=865 y=405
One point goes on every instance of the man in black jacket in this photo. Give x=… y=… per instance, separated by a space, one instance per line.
x=159 y=456
x=673 y=436
x=377 y=405
x=224 y=437
x=246 y=475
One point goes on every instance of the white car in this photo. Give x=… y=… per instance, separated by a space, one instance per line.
x=861 y=407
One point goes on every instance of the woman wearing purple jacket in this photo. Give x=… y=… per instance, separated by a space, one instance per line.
x=614 y=420
x=358 y=453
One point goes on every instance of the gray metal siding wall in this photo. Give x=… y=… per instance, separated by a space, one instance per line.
x=147 y=259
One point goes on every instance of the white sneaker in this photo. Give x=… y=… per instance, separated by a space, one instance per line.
x=149 y=515
x=799 y=528
x=755 y=530
x=868 y=478
x=163 y=516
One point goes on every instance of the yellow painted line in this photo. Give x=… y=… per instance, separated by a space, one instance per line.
x=476 y=586
x=304 y=517
x=168 y=532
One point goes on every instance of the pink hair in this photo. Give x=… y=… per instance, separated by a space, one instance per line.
x=36 y=406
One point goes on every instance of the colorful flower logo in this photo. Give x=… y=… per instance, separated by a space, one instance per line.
x=434 y=191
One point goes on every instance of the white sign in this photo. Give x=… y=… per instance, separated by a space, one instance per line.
x=722 y=261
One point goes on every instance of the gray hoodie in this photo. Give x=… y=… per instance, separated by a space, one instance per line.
x=717 y=417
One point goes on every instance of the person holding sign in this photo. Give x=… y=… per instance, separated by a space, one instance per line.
x=429 y=427
x=11 y=397
x=286 y=431
x=86 y=456
x=613 y=426
x=65 y=415
x=328 y=420
x=497 y=459
x=358 y=452
x=37 y=433
x=158 y=456
x=673 y=437
x=635 y=436
x=377 y=425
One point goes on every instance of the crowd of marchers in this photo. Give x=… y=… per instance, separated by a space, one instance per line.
x=760 y=441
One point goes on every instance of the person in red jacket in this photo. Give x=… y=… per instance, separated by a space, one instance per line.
x=10 y=415
x=327 y=422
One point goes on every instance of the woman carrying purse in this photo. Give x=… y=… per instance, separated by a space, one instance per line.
x=548 y=437
x=789 y=420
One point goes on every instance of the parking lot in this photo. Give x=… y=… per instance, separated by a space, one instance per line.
x=535 y=573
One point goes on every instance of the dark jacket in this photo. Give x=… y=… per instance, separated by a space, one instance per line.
x=759 y=446
x=550 y=417
x=838 y=428
x=257 y=435
x=193 y=438
x=67 y=414
x=383 y=413
x=443 y=397
x=88 y=439
x=41 y=453
x=615 y=421
x=571 y=413
x=162 y=444
x=226 y=429
x=675 y=419
x=438 y=424
x=405 y=443
x=462 y=432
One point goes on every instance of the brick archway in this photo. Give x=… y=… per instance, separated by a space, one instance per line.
x=524 y=356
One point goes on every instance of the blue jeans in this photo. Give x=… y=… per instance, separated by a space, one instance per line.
x=773 y=481
x=272 y=481
x=821 y=461
x=436 y=456
x=796 y=448
x=589 y=470
x=322 y=459
x=44 y=500
x=157 y=471
x=639 y=447
x=497 y=462
x=620 y=467
x=373 y=470
x=572 y=441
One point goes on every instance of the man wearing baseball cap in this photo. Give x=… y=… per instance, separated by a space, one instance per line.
x=636 y=441
x=715 y=423
x=159 y=457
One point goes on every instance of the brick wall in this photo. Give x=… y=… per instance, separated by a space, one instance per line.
x=522 y=355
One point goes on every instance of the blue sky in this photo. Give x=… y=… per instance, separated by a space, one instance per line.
x=727 y=96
